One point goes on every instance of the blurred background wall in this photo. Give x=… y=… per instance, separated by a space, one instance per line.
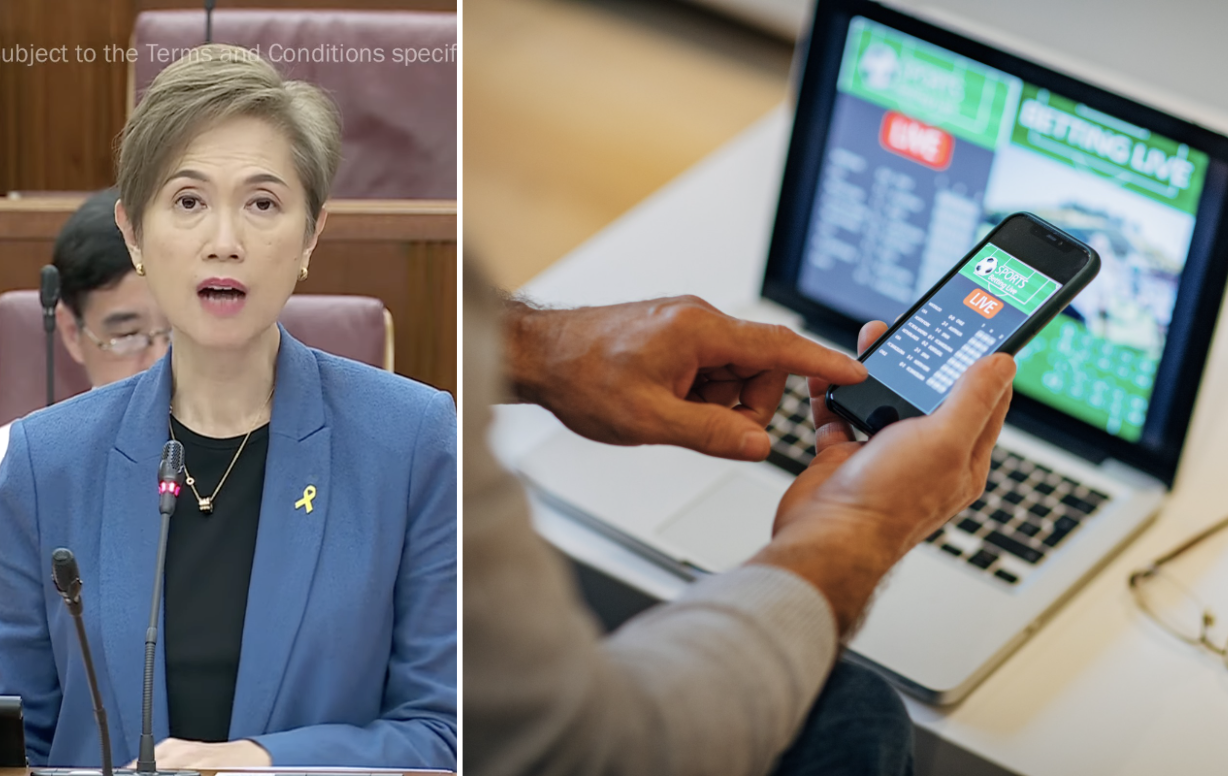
x=578 y=109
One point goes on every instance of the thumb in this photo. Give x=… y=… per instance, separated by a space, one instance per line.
x=716 y=430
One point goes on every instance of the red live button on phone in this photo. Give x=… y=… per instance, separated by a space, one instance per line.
x=983 y=303
x=916 y=140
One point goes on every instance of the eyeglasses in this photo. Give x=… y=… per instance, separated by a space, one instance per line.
x=128 y=345
x=1163 y=598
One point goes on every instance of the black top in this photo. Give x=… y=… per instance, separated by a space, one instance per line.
x=208 y=568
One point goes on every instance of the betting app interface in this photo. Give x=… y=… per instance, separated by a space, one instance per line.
x=928 y=150
x=984 y=303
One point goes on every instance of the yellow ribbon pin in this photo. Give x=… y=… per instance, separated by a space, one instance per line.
x=308 y=494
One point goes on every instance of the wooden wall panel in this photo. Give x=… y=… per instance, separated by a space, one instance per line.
x=431 y=294
x=416 y=280
x=60 y=118
x=58 y=122
x=401 y=252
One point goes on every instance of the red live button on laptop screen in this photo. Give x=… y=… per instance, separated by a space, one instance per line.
x=916 y=140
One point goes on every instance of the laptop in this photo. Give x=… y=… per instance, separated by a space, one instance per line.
x=910 y=142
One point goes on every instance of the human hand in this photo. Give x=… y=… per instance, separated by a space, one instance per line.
x=665 y=371
x=177 y=754
x=859 y=507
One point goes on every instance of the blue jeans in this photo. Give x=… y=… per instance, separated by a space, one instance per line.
x=858 y=726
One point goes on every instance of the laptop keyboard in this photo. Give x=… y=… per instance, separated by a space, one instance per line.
x=1026 y=511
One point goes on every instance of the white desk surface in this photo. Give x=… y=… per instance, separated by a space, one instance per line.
x=1100 y=689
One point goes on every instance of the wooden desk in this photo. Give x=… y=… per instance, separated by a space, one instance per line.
x=400 y=251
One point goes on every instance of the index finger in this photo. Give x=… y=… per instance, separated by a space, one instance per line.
x=869 y=334
x=818 y=386
x=771 y=347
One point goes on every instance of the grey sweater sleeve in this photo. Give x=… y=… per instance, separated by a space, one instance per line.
x=717 y=681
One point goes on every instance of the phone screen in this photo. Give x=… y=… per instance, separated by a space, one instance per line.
x=991 y=296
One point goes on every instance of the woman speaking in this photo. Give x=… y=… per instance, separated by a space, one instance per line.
x=309 y=615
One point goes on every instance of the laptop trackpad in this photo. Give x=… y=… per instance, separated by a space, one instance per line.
x=635 y=489
x=726 y=524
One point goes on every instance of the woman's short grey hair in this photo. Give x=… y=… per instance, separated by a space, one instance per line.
x=208 y=85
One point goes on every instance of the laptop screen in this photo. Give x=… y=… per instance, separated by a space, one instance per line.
x=910 y=151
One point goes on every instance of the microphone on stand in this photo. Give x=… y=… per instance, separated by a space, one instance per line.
x=209 y=20
x=68 y=581
x=170 y=480
x=49 y=297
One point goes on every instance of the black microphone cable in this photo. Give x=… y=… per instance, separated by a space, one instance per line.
x=170 y=480
x=67 y=580
x=209 y=4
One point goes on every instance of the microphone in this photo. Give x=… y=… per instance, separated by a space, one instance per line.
x=68 y=581
x=49 y=297
x=209 y=20
x=170 y=477
x=170 y=480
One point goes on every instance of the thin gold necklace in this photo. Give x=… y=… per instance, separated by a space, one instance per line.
x=206 y=503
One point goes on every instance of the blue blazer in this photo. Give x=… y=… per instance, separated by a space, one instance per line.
x=349 y=642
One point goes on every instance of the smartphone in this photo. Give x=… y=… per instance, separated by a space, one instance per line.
x=994 y=300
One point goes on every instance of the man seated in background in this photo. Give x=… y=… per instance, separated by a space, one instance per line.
x=106 y=316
